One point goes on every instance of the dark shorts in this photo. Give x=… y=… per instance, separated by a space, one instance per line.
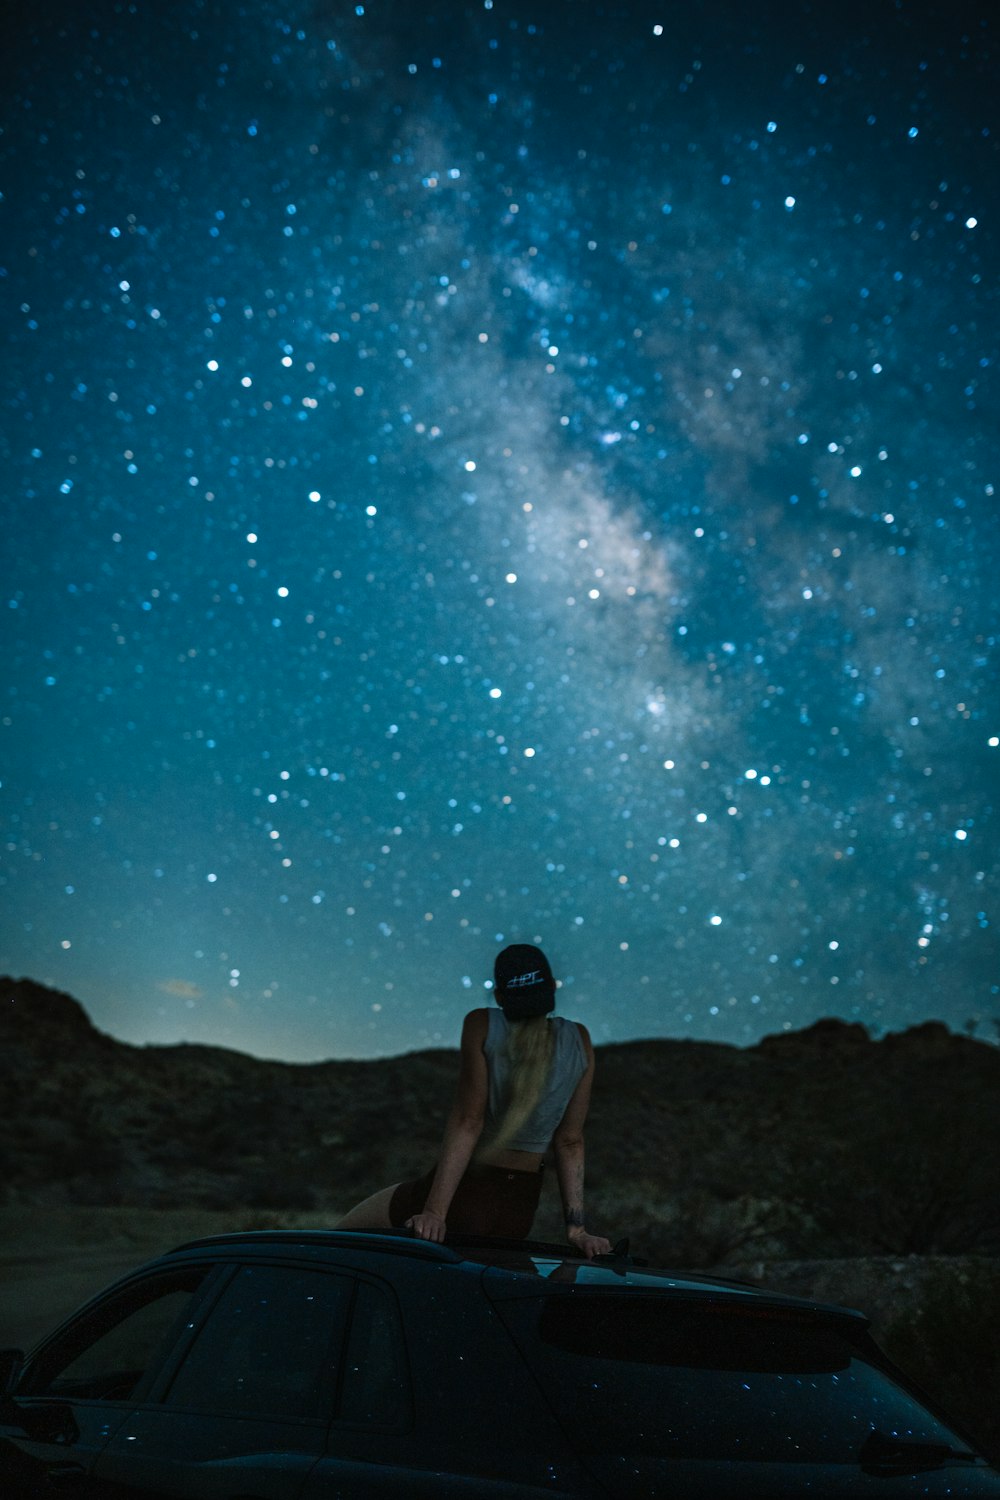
x=488 y=1200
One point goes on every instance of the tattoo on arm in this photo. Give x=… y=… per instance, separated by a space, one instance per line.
x=574 y=1218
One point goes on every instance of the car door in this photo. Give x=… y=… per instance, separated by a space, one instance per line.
x=369 y=1439
x=431 y=1403
x=80 y=1385
x=244 y=1408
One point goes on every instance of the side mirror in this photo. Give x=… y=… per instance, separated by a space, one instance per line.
x=51 y=1422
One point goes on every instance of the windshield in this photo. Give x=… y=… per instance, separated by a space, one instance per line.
x=697 y=1381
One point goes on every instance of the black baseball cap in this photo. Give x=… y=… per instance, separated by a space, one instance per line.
x=523 y=982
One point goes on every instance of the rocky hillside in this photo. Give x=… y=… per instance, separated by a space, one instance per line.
x=814 y=1143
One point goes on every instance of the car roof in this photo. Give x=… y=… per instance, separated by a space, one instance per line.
x=514 y=1268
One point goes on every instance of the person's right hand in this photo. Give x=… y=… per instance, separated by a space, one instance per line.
x=428 y=1226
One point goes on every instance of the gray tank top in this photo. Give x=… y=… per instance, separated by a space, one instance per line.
x=569 y=1063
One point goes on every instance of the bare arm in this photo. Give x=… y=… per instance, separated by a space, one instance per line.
x=462 y=1132
x=567 y=1144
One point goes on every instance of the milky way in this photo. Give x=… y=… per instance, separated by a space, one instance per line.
x=508 y=472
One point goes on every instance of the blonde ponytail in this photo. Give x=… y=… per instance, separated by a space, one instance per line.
x=530 y=1045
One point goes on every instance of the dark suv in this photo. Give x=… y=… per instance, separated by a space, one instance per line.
x=325 y=1364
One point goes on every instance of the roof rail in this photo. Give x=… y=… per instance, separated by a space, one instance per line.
x=522 y=1247
x=393 y=1241
x=405 y=1242
x=618 y=1255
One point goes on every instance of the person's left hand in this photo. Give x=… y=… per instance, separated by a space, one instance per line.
x=588 y=1245
x=429 y=1226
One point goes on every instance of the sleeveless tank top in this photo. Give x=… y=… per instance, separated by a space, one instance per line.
x=569 y=1063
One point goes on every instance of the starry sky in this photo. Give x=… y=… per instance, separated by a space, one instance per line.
x=489 y=472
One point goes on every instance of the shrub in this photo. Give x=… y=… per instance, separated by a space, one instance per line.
x=948 y=1344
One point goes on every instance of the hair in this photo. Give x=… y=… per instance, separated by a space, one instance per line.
x=530 y=1045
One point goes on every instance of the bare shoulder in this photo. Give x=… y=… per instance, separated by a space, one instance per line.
x=475 y=1025
x=588 y=1045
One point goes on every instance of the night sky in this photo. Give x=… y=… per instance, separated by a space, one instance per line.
x=489 y=472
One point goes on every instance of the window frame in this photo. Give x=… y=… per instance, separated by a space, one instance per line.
x=151 y=1390
x=85 y=1329
x=407 y=1420
x=159 y=1391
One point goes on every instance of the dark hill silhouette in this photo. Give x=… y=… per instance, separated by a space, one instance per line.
x=820 y=1142
x=819 y=1161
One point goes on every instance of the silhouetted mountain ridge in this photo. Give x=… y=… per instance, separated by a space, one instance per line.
x=813 y=1142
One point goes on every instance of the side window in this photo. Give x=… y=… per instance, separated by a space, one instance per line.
x=115 y=1350
x=269 y=1347
x=374 y=1389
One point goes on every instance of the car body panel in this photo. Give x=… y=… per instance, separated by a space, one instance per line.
x=633 y=1477
x=83 y=1431
x=323 y=1364
x=185 y=1456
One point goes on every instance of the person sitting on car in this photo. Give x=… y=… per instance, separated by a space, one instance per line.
x=526 y=1077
